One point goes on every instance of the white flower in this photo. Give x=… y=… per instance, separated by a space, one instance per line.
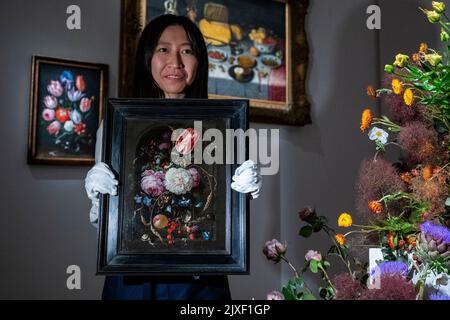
x=75 y=116
x=313 y=255
x=68 y=126
x=75 y=95
x=50 y=102
x=378 y=134
x=178 y=180
x=247 y=179
x=440 y=280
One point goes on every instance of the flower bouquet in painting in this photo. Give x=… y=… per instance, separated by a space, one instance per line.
x=172 y=194
x=67 y=108
x=405 y=204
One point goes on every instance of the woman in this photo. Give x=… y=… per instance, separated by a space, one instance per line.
x=171 y=63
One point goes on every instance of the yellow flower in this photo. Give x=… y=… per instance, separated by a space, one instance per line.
x=340 y=239
x=401 y=60
x=397 y=86
x=408 y=97
x=439 y=7
x=375 y=206
x=432 y=15
x=434 y=59
x=366 y=119
x=345 y=220
x=423 y=47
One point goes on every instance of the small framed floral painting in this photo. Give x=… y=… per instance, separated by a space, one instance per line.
x=66 y=107
x=175 y=212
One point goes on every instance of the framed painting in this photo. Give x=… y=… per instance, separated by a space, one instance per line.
x=262 y=57
x=66 y=107
x=175 y=212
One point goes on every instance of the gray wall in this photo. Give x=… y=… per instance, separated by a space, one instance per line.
x=44 y=225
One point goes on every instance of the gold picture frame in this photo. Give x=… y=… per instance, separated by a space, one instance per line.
x=294 y=110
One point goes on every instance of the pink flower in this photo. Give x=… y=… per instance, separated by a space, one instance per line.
x=196 y=178
x=50 y=102
x=313 y=255
x=275 y=295
x=186 y=141
x=48 y=114
x=85 y=104
x=152 y=183
x=55 y=88
x=274 y=250
x=53 y=128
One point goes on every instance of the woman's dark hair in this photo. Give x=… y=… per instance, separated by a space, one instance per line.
x=144 y=85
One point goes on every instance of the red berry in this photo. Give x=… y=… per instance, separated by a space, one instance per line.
x=169 y=236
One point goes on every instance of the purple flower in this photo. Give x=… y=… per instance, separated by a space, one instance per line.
x=50 y=102
x=275 y=295
x=152 y=183
x=439 y=296
x=436 y=231
x=307 y=214
x=391 y=267
x=313 y=255
x=274 y=250
x=164 y=146
x=196 y=178
x=75 y=95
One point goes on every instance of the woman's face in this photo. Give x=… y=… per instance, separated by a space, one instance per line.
x=173 y=64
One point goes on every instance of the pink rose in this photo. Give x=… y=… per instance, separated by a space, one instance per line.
x=275 y=295
x=85 y=104
x=274 y=250
x=186 y=141
x=48 y=114
x=55 y=88
x=152 y=183
x=53 y=128
x=196 y=178
x=313 y=255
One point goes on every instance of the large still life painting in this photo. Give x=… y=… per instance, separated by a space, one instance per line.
x=175 y=211
x=257 y=50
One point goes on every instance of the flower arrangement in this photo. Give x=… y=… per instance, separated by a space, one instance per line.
x=173 y=195
x=66 y=111
x=405 y=205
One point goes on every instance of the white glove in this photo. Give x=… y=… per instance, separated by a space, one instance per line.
x=247 y=178
x=99 y=179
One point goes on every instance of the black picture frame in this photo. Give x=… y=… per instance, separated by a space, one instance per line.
x=127 y=243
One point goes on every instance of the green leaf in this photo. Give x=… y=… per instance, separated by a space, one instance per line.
x=314 y=266
x=308 y=296
x=288 y=294
x=305 y=231
x=317 y=226
x=326 y=263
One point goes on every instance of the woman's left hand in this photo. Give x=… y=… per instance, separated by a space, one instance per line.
x=247 y=178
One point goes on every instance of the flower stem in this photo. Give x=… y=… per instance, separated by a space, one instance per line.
x=327 y=278
x=290 y=265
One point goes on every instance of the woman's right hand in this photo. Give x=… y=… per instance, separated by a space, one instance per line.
x=99 y=179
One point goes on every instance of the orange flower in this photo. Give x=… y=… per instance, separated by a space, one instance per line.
x=371 y=92
x=345 y=220
x=80 y=84
x=416 y=58
x=423 y=48
x=411 y=240
x=406 y=177
x=340 y=239
x=408 y=97
x=427 y=172
x=366 y=119
x=375 y=206
x=397 y=86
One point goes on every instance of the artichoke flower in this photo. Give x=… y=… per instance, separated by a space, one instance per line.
x=434 y=240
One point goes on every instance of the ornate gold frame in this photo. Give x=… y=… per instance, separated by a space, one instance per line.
x=296 y=111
